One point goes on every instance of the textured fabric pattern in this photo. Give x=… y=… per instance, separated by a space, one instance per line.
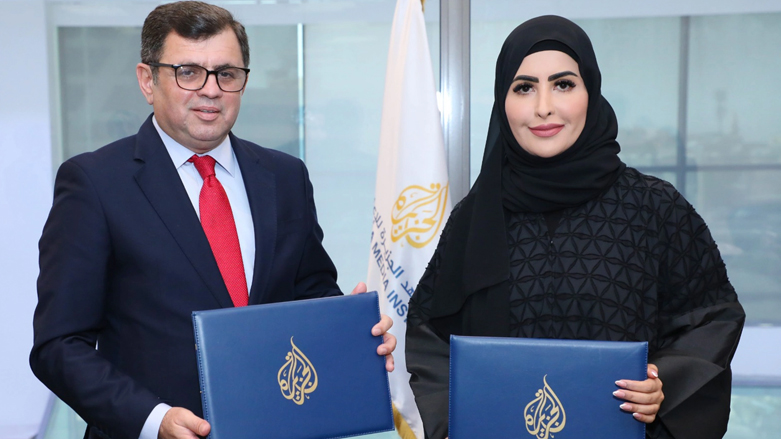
x=614 y=266
x=220 y=228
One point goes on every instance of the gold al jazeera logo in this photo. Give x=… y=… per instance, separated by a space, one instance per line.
x=297 y=378
x=418 y=213
x=545 y=414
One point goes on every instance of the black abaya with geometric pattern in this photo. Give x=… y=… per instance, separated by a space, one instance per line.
x=636 y=263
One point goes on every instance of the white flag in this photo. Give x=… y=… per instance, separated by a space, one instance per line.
x=411 y=202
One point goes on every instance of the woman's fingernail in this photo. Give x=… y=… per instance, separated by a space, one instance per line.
x=656 y=375
x=619 y=394
x=636 y=415
x=626 y=407
x=620 y=384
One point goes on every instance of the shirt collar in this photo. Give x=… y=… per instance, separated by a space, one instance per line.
x=223 y=153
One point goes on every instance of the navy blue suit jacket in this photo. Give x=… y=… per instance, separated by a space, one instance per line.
x=124 y=262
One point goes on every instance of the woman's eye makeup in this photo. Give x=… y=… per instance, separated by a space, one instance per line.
x=564 y=84
x=527 y=87
x=523 y=87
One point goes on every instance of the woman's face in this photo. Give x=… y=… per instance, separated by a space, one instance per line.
x=546 y=104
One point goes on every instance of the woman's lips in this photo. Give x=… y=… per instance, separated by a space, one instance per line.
x=547 y=130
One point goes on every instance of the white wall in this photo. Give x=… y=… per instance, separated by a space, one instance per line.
x=25 y=198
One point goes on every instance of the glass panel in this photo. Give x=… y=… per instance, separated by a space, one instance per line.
x=100 y=101
x=756 y=413
x=99 y=96
x=343 y=111
x=639 y=60
x=485 y=43
x=732 y=117
x=269 y=107
x=732 y=124
x=743 y=211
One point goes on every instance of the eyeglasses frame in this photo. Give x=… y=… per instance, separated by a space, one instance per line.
x=208 y=72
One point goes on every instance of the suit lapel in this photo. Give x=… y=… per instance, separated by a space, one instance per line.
x=260 y=184
x=158 y=179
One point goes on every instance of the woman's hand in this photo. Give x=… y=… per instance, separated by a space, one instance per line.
x=643 y=398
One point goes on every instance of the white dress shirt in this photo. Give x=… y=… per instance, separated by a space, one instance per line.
x=229 y=174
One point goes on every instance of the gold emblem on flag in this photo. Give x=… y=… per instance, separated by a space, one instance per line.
x=544 y=415
x=297 y=378
x=418 y=213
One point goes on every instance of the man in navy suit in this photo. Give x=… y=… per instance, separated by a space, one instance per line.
x=125 y=259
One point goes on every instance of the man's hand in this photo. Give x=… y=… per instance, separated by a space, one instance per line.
x=360 y=288
x=643 y=398
x=388 y=340
x=180 y=423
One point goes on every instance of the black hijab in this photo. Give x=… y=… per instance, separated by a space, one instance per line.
x=477 y=256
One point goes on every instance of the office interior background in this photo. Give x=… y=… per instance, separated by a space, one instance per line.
x=693 y=83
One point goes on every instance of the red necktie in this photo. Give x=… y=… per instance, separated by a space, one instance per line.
x=217 y=222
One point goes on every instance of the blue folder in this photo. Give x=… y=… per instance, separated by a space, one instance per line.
x=293 y=370
x=541 y=388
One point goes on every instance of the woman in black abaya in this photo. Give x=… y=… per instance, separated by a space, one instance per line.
x=559 y=239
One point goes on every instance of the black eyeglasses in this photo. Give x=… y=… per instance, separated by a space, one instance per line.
x=193 y=77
